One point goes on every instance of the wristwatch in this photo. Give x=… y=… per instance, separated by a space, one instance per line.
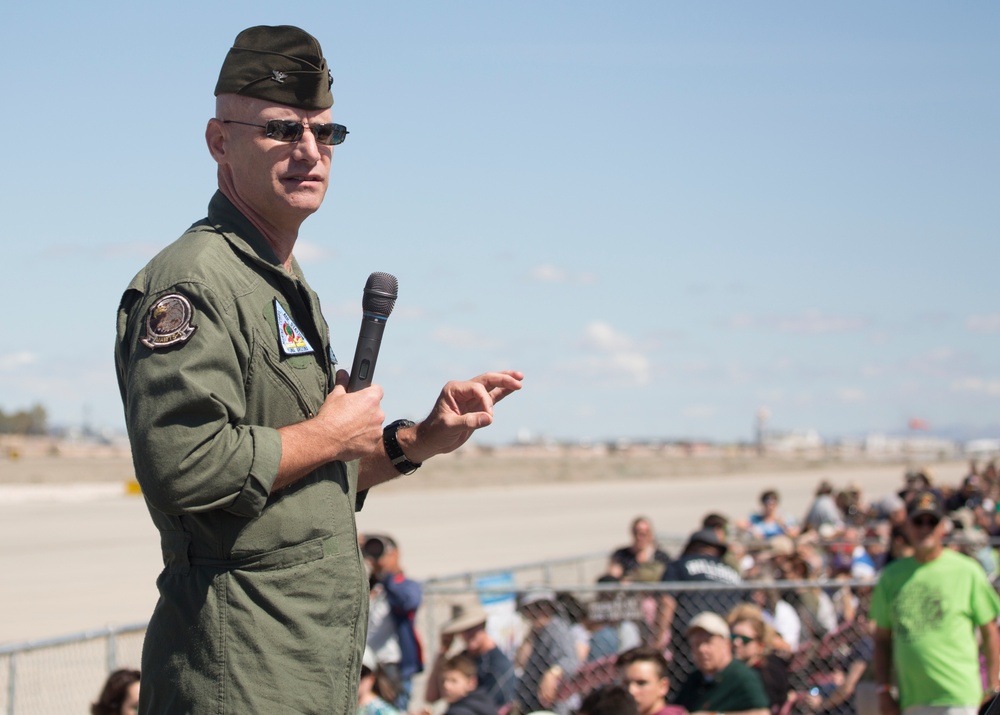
x=394 y=451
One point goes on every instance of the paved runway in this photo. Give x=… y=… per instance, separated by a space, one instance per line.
x=76 y=558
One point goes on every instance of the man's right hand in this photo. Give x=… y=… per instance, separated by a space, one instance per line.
x=352 y=421
x=348 y=426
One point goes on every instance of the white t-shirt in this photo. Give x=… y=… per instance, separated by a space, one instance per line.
x=382 y=636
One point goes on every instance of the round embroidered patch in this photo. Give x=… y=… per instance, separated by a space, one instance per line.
x=169 y=322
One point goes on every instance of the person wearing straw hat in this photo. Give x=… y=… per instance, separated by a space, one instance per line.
x=494 y=671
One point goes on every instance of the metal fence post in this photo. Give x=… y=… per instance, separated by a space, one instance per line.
x=11 y=687
x=112 y=651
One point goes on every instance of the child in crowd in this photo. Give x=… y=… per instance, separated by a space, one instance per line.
x=375 y=690
x=458 y=685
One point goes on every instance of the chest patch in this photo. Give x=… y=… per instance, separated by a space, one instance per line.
x=168 y=322
x=291 y=339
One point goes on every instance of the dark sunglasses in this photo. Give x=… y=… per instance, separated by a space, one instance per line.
x=925 y=521
x=742 y=639
x=285 y=130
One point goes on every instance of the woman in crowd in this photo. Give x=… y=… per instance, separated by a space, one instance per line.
x=753 y=642
x=769 y=522
x=120 y=694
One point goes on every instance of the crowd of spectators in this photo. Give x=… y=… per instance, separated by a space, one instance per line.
x=788 y=595
x=780 y=601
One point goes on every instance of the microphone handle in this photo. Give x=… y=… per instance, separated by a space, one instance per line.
x=366 y=353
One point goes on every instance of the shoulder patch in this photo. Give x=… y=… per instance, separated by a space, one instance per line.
x=292 y=341
x=168 y=322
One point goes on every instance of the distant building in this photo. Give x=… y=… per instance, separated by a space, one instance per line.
x=793 y=442
x=982 y=448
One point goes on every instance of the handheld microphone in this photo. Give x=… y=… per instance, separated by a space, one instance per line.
x=377 y=304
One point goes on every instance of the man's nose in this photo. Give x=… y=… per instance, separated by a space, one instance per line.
x=307 y=148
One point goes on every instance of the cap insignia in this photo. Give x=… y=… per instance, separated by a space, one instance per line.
x=278 y=76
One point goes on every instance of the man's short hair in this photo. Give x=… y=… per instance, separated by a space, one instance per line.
x=715 y=521
x=640 y=520
x=461 y=663
x=608 y=700
x=643 y=654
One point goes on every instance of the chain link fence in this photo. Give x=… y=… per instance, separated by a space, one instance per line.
x=817 y=634
x=65 y=675
x=816 y=627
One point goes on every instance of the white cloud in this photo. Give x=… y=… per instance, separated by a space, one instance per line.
x=464 y=339
x=308 y=252
x=699 y=411
x=614 y=353
x=548 y=274
x=851 y=394
x=132 y=249
x=551 y=274
x=989 y=387
x=602 y=336
x=815 y=323
x=811 y=322
x=15 y=360
x=983 y=323
x=872 y=370
x=633 y=365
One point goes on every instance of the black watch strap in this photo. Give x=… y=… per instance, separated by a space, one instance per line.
x=394 y=451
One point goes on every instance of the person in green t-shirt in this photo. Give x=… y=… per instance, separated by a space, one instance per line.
x=927 y=608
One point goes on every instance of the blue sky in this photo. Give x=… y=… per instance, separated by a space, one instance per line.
x=668 y=215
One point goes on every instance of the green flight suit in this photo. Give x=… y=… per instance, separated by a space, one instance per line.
x=264 y=597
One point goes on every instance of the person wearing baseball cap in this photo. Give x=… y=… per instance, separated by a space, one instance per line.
x=701 y=561
x=251 y=454
x=927 y=609
x=720 y=683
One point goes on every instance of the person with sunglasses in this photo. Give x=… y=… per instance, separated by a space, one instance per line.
x=754 y=641
x=251 y=453
x=720 y=682
x=927 y=610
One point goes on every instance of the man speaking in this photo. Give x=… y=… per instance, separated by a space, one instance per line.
x=251 y=453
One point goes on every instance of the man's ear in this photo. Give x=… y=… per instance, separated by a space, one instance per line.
x=215 y=137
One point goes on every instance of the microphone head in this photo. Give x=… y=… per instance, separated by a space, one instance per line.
x=380 y=294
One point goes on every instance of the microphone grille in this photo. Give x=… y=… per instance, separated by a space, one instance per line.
x=380 y=294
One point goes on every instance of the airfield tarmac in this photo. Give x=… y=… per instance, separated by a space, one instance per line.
x=80 y=553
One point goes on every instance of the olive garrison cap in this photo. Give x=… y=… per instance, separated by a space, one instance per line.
x=280 y=64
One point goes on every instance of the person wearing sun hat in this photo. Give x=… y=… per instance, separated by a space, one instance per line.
x=927 y=610
x=494 y=671
x=251 y=455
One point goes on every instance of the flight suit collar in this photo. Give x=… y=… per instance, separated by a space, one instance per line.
x=239 y=229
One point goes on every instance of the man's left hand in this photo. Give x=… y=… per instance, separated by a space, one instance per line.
x=460 y=409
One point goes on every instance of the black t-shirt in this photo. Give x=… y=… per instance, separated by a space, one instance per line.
x=495 y=674
x=650 y=571
x=702 y=567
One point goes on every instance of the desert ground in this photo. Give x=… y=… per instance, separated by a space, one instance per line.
x=79 y=551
